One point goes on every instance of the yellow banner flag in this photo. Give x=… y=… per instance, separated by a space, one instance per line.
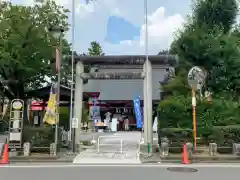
x=50 y=115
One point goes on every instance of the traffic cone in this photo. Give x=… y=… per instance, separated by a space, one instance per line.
x=4 y=159
x=185 y=155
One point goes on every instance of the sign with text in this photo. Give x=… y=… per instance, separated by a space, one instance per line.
x=75 y=122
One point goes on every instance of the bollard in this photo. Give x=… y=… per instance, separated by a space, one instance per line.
x=93 y=141
x=212 y=149
x=164 y=147
x=52 y=149
x=121 y=148
x=189 y=149
x=26 y=149
x=236 y=149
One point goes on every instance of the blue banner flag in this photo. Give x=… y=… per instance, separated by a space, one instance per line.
x=94 y=111
x=94 y=107
x=137 y=109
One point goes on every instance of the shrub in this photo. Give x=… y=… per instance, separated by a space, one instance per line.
x=225 y=135
x=39 y=136
x=177 y=135
x=176 y=112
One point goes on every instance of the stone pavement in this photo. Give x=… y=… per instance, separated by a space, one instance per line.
x=120 y=147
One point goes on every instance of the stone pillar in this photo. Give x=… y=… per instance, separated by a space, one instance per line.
x=145 y=117
x=78 y=98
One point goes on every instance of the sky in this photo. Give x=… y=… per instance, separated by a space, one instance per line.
x=118 y=25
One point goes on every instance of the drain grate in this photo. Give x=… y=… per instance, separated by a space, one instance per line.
x=182 y=169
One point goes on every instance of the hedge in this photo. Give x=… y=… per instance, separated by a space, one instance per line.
x=39 y=136
x=225 y=135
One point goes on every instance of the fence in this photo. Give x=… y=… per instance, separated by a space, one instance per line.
x=112 y=144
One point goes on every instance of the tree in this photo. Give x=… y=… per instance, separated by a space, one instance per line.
x=210 y=44
x=209 y=40
x=26 y=46
x=95 y=49
x=212 y=13
x=163 y=52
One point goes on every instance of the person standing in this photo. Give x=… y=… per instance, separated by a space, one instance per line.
x=126 y=124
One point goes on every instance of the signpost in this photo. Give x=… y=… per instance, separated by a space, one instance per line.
x=16 y=124
x=75 y=122
x=196 y=80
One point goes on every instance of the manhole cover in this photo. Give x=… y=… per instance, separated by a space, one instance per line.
x=182 y=169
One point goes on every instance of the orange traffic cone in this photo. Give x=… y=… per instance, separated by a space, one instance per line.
x=4 y=159
x=185 y=155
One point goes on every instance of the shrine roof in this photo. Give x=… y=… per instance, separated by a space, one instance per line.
x=171 y=60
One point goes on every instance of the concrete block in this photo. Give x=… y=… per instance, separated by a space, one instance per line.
x=189 y=149
x=213 y=149
x=236 y=149
x=26 y=149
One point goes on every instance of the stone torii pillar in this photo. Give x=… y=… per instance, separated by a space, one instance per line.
x=147 y=107
x=78 y=98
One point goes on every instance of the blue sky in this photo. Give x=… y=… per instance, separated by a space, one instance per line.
x=118 y=25
x=119 y=29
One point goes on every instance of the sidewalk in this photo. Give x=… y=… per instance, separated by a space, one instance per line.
x=120 y=147
x=176 y=158
x=60 y=158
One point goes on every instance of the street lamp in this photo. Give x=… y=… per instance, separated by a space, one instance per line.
x=57 y=33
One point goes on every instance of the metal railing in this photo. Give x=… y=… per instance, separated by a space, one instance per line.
x=99 y=143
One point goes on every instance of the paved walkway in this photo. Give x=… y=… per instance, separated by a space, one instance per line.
x=121 y=147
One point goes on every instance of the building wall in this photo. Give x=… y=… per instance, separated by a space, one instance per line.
x=125 y=89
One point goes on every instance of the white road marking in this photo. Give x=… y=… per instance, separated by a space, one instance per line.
x=122 y=165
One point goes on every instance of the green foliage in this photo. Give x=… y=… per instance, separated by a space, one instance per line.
x=176 y=112
x=39 y=136
x=26 y=46
x=176 y=84
x=212 y=13
x=226 y=135
x=176 y=133
x=207 y=41
x=95 y=49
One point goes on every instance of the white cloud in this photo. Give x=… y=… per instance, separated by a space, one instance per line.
x=91 y=24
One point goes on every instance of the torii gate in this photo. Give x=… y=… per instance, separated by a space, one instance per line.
x=145 y=75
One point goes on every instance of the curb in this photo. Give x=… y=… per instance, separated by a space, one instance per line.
x=40 y=161
x=197 y=160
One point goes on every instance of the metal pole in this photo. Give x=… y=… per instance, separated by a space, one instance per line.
x=72 y=73
x=58 y=95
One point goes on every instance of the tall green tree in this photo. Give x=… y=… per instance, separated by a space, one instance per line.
x=95 y=49
x=215 y=13
x=207 y=41
x=27 y=48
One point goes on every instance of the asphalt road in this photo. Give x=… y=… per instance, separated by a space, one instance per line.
x=116 y=172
